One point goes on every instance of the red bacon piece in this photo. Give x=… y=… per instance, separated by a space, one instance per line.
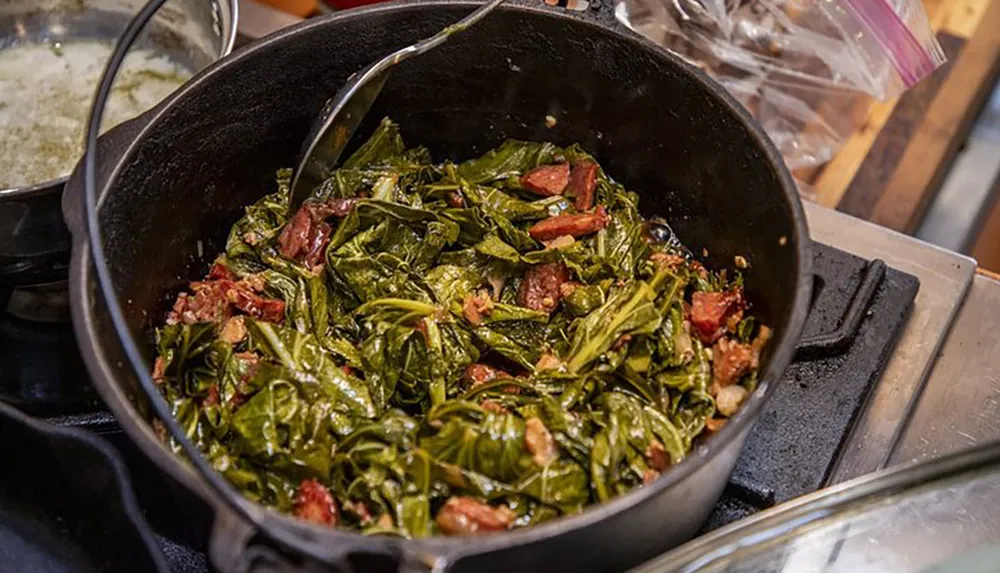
x=541 y=288
x=465 y=516
x=314 y=503
x=709 y=311
x=476 y=374
x=730 y=361
x=547 y=180
x=583 y=184
x=576 y=226
x=306 y=234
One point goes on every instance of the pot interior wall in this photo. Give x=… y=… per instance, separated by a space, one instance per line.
x=650 y=124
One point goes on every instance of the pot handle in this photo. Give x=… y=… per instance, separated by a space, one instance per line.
x=238 y=546
x=834 y=342
x=110 y=148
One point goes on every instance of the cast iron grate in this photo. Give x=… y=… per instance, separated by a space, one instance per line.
x=797 y=440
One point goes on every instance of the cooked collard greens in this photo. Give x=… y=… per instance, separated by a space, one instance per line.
x=437 y=348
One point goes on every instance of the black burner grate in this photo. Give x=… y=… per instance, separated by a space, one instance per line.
x=792 y=450
x=796 y=443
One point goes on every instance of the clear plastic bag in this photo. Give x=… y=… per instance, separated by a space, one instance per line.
x=800 y=66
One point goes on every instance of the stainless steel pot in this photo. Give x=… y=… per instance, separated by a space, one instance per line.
x=34 y=241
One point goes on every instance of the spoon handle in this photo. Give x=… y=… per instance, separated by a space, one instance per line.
x=441 y=37
x=342 y=114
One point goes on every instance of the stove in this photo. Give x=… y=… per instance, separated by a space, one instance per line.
x=40 y=366
x=836 y=413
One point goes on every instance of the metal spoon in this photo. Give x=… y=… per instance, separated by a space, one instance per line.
x=343 y=112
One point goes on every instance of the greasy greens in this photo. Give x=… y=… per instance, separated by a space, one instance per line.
x=438 y=348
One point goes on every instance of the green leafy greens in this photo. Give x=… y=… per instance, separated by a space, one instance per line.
x=435 y=354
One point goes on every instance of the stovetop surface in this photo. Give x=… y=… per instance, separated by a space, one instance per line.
x=793 y=449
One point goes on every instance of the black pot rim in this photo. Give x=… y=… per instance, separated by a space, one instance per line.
x=291 y=530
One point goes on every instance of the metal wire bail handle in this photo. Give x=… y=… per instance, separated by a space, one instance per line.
x=244 y=553
x=242 y=507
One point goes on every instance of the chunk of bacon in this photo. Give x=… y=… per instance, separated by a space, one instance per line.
x=266 y=309
x=649 y=476
x=541 y=288
x=316 y=244
x=421 y=327
x=455 y=199
x=491 y=406
x=295 y=235
x=212 y=397
x=713 y=425
x=314 y=503
x=466 y=516
x=709 y=311
x=731 y=361
x=477 y=374
x=306 y=234
x=666 y=260
x=578 y=225
x=547 y=180
x=206 y=304
x=548 y=361
x=657 y=457
x=360 y=510
x=583 y=184
x=758 y=344
x=159 y=370
x=220 y=271
x=215 y=300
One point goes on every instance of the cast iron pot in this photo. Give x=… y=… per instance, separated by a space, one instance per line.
x=172 y=183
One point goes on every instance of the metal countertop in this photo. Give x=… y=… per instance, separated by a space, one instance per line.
x=941 y=388
x=960 y=407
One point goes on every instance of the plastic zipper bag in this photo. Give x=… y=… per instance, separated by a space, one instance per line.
x=804 y=68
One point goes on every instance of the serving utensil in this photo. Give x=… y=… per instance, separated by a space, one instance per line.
x=342 y=113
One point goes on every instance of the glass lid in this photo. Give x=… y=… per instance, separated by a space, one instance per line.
x=937 y=516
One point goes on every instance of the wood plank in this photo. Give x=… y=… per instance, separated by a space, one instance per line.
x=868 y=183
x=955 y=18
x=833 y=181
x=986 y=249
x=959 y=17
x=938 y=136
